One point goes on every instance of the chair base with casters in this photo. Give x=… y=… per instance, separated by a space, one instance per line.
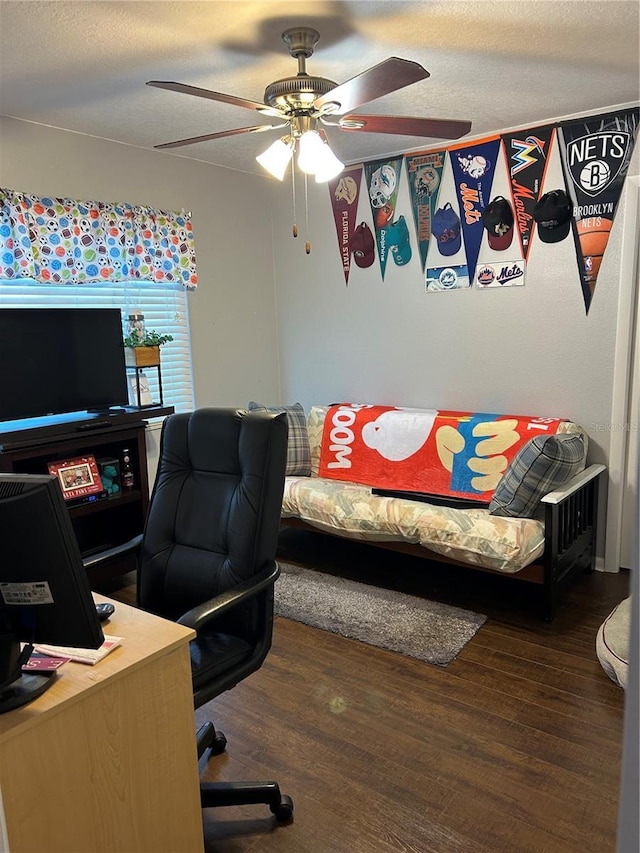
x=213 y=794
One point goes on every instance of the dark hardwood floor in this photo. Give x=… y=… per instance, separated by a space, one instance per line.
x=514 y=747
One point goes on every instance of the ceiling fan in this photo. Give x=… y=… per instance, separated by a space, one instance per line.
x=304 y=102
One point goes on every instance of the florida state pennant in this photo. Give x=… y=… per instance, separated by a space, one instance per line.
x=595 y=154
x=527 y=153
x=473 y=170
x=345 y=191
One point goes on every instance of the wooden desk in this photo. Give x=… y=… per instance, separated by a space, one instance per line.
x=106 y=759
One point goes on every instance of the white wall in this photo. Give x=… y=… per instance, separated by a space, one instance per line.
x=232 y=312
x=522 y=350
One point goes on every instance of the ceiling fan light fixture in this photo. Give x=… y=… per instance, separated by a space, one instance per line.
x=305 y=101
x=276 y=158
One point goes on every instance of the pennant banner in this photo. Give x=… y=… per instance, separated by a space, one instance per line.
x=424 y=172
x=383 y=180
x=595 y=154
x=473 y=170
x=527 y=153
x=345 y=191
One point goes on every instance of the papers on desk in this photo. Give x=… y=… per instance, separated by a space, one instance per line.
x=43 y=663
x=90 y=656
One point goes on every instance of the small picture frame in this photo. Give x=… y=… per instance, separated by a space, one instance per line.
x=77 y=477
x=110 y=476
x=139 y=382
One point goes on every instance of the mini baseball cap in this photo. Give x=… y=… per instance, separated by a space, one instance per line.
x=553 y=215
x=497 y=218
x=446 y=229
x=398 y=241
x=362 y=245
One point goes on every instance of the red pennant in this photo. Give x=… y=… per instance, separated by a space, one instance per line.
x=345 y=191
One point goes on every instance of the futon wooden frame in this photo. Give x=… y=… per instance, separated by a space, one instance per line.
x=570 y=524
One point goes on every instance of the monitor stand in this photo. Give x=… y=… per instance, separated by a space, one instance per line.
x=26 y=686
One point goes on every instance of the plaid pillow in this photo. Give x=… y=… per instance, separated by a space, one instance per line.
x=541 y=465
x=298 y=451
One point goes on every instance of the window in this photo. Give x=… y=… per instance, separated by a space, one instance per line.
x=165 y=309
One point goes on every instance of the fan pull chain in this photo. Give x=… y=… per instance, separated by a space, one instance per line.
x=293 y=186
x=307 y=245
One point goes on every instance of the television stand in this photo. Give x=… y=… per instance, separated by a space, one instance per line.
x=27 y=448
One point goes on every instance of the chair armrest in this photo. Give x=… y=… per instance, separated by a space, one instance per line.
x=573 y=485
x=199 y=616
x=118 y=550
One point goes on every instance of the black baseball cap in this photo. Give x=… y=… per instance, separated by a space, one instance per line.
x=497 y=218
x=553 y=215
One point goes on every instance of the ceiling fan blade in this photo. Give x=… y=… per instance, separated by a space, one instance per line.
x=405 y=126
x=214 y=96
x=209 y=136
x=379 y=80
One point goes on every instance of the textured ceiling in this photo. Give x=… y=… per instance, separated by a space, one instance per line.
x=83 y=65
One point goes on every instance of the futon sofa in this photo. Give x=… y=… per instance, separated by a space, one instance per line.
x=535 y=519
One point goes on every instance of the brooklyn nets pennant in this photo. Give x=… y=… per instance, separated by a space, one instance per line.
x=595 y=154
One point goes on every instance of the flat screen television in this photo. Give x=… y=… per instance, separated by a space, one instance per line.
x=60 y=360
x=44 y=590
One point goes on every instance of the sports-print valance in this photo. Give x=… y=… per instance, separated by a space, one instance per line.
x=63 y=241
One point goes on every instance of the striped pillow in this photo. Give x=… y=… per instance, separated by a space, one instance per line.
x=298 y=451
x=543 y=464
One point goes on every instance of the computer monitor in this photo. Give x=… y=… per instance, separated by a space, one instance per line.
x=45 y=595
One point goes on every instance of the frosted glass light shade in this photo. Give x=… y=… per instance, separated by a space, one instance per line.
x=310 y=152
x=315 y=157
x=276 y=158
x=328 y=166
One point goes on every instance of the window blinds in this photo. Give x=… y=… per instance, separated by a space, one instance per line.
x=165 y=309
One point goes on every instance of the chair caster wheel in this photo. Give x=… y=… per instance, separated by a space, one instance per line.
x=284 y=810
x=219 y=744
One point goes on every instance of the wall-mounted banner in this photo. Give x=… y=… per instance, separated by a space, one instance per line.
x=447 y=278
x=383 y=180
x=500 y=275
x=345 y=191
x=595 y=154
x=527 y=153
x=424 y=172
x=473 y=170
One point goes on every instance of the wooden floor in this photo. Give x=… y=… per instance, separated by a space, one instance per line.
x=514 y=747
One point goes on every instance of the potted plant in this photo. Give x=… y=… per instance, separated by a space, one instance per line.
x=143 y=349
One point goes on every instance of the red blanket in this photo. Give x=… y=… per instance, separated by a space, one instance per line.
x=457 y=454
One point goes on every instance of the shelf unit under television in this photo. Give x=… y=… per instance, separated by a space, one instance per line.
x=26 y=447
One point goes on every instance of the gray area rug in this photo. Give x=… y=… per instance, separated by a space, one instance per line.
x=413 y=626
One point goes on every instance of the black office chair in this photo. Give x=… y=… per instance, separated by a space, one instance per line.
x=207 y=559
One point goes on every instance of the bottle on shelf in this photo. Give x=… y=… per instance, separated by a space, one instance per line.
x=135 y=324
x=128 y=480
